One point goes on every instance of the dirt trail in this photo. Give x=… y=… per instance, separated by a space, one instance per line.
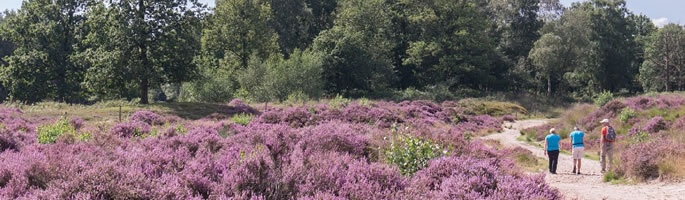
x=589 y=185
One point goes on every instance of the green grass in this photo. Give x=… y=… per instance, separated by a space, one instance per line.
x=242 y=118
x=613 y=178
x=110 y=110
x=530 y=162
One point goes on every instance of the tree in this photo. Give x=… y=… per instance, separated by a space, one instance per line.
x=572 y=69
x=616 y=43
x=6 y=49
x=548 y=58
x=452 y=45
x=518 y=23
x=356 y=51
x=665 y=59
x=44 y=33
x=148 y=42
x=237 y=30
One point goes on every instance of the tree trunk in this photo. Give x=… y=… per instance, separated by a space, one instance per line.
x=144 y=90
x=549 y=85
x=668 y=74
x=144 y=78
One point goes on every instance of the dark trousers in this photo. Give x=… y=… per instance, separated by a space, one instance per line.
x=553 y=160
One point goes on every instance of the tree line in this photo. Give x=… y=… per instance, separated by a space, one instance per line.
x=266 y=50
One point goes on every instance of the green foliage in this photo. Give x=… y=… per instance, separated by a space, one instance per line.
x=664 y=60
x=603 y=98
x=339 y=102
x=411 y=154
x=492 y=108
x=547 y=57
x=180 y=129
x=364 y=102
x=228 y=47
x=453 y=44
x=242 y=118
x=212 y=85
x=93 y=50
x=627 y=114
x=276 y=79
x=612 y=177
x=84 y=136
x=356 y=50
x=132 y=45
x=49 y=133
x=45 y=34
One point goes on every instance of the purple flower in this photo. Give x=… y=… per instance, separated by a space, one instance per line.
x=147 y=116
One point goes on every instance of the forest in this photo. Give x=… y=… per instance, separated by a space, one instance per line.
x=82 y=51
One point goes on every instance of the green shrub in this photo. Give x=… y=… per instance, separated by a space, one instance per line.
x=180 y=129
x=297 y=97
x=48 y=134
x=212 y=85
x=603 y=98
x=84 y=136
x=277 y=78
x=411 y=154
x=411 y=94
x=492 y=108
x=242 y=118
x=440 y=93
x=627 y=114
x=364 y=102
x=339 y=102
x=610 y=176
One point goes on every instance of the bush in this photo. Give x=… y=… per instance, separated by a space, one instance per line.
x=610 y=176
x=411 y=154
x=603 y=98
x=277 y=78
x=242 y=118
x=147 y=116
x=48 y=134
x=627 y=114
x=213 y=85
x=131 y=129
x=339 y=102
x=655 y=125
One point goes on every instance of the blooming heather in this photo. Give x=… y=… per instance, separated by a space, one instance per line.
x=307 y=152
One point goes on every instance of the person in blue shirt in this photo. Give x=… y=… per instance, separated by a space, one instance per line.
x=576 y=139
x=552 y=150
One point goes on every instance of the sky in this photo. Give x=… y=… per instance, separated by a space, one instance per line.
x=660 y=11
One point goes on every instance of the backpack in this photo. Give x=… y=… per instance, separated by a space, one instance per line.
x=611 y=134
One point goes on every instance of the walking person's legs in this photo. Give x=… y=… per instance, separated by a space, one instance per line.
x=551 y=161
x=610 y=155
x=579 y=164
x=554 y=157
x=577 y=157
x=602 y=157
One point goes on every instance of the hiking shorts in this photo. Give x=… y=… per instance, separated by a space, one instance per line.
x=578 y=152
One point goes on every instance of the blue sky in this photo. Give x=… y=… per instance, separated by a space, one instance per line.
x=661 y=11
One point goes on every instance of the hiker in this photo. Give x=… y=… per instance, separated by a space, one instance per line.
x=552 y=149
x=607 y=145
x=576 y=139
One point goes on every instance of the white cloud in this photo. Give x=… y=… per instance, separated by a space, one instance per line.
x=660 y=22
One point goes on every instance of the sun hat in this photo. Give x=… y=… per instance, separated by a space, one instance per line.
x=552 y=130
x=604 y=121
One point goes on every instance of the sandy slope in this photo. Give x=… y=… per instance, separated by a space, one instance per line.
x=589 y=185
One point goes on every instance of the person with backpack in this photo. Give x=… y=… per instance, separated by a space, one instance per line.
x=576 y=139
x=552 y=150
x=607 y=145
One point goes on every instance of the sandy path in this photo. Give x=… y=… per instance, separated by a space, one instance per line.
x=589 y=185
